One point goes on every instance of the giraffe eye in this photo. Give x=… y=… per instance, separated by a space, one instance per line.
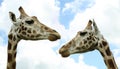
x=30 y=22
x=82 y=33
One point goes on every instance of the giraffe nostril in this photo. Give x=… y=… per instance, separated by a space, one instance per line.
x=54 y=30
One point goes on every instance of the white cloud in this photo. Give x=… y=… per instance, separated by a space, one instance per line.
x=40 y=55
x=37 y=54
x=3 y=55
x=78 y=5
x=117 y=56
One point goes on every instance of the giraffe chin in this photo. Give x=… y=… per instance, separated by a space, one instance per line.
x=65 y=55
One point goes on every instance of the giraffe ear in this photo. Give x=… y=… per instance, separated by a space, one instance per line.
x=12 y=17
x=89 y=27
x=22 y=13
x=95 y=27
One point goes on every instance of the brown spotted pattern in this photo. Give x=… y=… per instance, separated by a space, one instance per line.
x=88 y=40
x=27 y=28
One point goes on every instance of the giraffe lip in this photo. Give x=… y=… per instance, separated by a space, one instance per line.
x=65 y=55
x=54 y=37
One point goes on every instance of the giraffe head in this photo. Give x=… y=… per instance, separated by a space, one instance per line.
x=30 y=28
x=84 y=41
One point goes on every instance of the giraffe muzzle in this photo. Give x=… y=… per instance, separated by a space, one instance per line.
x=64 y=53
x=54 y=37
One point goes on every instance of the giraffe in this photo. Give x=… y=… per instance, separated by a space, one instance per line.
x=27 y=28
x=89 y=39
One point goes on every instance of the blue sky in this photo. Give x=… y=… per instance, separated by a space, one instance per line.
x=1 y=1
x=69 y=16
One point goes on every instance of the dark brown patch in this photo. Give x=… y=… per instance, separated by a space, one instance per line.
x=14 y=38
x=83 y=47
x=100 y=45
x=28 y=35
x=104 y=43
x=9 y=57
x=38 y=35
x=105 y=62
x=9 y=45
x=34 y=31
x=29 y=31
x=97 y=38
x=78 y=48
x=14 y=65
x=90 y=42
x=32 y=36
x=93 y=39
x=24 y=33
x=22 y=27
x=111 y=64
x=85 y=41
x=88 y=38
x=15 y=47
x=16 y=30
x=15 y=54
x=8 y=67
x=102 y=54
x=19 y=30
x=86 y=46
x=108 y=52
x=90 y=33
x=96 y=44
x=18 y=36
x=10 y=36
x=46 y=28
x=25 y=28
x=70 y=43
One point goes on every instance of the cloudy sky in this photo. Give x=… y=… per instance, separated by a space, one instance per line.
x=67 y=17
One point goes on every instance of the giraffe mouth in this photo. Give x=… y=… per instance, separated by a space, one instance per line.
x=54 y=37
x=64 y=53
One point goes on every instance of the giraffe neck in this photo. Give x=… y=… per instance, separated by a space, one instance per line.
x=107 y=55
x=11 y=50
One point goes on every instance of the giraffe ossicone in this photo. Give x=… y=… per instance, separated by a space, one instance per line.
x=27 y=28
x=89 y=39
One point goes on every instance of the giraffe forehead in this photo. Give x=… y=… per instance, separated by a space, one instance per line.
x=36 y=25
